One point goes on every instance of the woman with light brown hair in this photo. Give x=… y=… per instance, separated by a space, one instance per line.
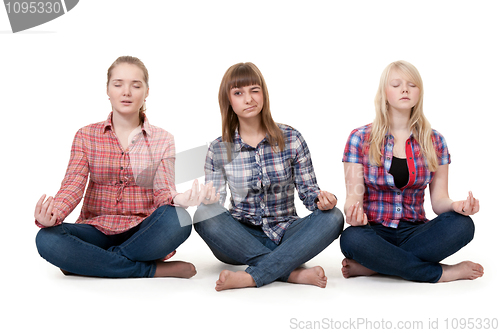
x=388 y=164
x=132 y=218
x=262 y=163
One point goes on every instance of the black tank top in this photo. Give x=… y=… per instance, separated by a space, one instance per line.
x=399 y=170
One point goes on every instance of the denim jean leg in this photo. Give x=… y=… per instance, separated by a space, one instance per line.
x=440 y=237
x=302 y=241
x=365 y=246
x=62 y=246
x=227 y=238
x=158 y=235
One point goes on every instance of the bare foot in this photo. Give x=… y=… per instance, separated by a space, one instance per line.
x=170 y=255
x=234 y=280
x=351 y=268
x=314 y=276
x=466 y=270
x=178 y=269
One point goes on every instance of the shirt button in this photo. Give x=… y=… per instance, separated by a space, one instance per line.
x=121 y=168
x=399 y=193
x=399 y=209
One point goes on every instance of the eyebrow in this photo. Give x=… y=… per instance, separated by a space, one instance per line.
x=251 y=87
x=121 y=80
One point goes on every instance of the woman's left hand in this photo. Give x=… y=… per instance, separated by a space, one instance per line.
x=467 y=207
x=197 y=194
x=326 y=200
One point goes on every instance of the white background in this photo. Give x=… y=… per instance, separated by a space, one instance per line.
x=322 y=61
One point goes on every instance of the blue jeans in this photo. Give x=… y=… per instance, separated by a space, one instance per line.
x=413 y=250
x=82 y=249
x=236 y=243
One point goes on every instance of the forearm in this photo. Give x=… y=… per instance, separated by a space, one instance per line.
x=442 y=205
x=351 y=201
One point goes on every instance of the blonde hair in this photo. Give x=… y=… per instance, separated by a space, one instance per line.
x=132 y=61
x=242 y=75
x=419 y=125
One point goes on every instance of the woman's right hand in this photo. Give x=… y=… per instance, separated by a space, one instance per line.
x=44 y=212
x=355 y=216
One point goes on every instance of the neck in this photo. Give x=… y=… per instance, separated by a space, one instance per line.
x=123 y=122
x=399 y=120
x=250 y=127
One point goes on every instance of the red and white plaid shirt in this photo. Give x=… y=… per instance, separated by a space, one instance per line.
x=125 y=186
x=383 y=202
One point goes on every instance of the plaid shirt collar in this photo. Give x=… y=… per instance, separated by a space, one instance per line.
x=239 y=143
x=108 y=125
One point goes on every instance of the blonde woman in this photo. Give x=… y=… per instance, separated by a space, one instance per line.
x=262 y=163
x=388 y=164
x=129 y=221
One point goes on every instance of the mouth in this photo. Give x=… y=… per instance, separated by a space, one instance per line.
x=404 y=99
x=250 y=108
x=126 y=102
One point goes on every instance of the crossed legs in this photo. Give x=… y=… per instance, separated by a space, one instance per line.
x=235 y=243
x=412 y=251
x=83 y=250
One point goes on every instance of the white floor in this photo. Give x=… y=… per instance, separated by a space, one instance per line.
x=38 y=296
x=322 y=61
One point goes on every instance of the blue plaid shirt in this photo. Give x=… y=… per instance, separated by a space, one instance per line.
x=262 y=180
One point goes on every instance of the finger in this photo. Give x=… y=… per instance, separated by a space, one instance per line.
x=466 y=208
x=45 y=207
x=53 y=219
x=365 y=220
x=203 y=191
x=212 y=195
x=477 y=206
x=330 y=197
x=193 y=189
x=196 y=189
x=38 y=206
x=360 y=215
x=348 y=214
x=354 y=213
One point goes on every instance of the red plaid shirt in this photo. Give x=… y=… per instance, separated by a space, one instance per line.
x=383 y=202
x=125 y=186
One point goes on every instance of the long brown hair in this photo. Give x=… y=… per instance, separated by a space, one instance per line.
x=242 y=75
x=132 y=61
x=418 y=123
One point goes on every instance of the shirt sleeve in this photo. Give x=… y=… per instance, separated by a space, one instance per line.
x=353 y=151
x=214 y=169
x=305 y=178
x=441 y=148
x=164 y=184
x=73 y=185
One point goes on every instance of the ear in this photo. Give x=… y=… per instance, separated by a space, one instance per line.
x=147 y=93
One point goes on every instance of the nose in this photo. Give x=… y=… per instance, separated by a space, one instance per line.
x=248 y=98
x=126 y=90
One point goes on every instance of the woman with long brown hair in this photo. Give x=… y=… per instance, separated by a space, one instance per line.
x=388 y=164
x=262 y=163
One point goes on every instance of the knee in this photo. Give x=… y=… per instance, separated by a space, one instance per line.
x=461 y=225
x=350 y=241
x=185 y=222
x=466 y=226
x=334 y=220
x=46 y=242
x=207 y=212
x=204 y=219
x=181 y=215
